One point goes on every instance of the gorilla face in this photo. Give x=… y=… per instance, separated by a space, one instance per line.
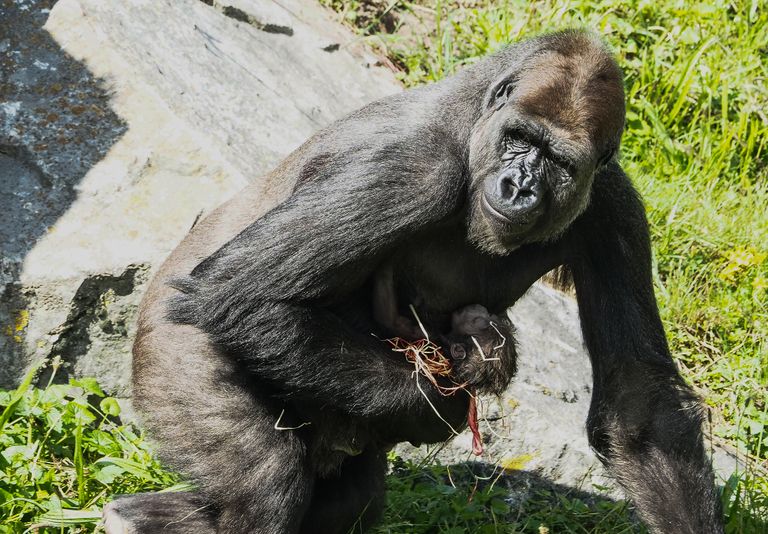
x=533 y=185
x=534 y=152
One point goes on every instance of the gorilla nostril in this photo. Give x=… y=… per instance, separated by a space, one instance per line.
x=518 y=187
x=510 y=187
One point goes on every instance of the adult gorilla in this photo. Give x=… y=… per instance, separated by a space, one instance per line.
x=255 y=366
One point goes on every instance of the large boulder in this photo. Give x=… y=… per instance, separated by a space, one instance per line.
x=120 y=124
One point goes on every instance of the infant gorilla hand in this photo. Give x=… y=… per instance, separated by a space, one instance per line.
x=482 y=347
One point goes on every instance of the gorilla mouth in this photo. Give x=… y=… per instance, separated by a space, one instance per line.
x=512 y=228
x=522 y=222
x=490 y=210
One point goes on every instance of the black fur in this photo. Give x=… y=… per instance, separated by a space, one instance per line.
x=171 y=513
x=277 y=324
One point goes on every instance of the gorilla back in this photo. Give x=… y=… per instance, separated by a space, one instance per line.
x=254 y=365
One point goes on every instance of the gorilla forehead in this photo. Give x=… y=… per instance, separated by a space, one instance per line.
x=569 y=83
x=579 y=97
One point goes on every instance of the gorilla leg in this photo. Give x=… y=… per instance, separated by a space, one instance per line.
x=170 y=513
x=353 y=499
x=214 y=427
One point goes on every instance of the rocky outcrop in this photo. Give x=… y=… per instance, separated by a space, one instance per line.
x=120 y=124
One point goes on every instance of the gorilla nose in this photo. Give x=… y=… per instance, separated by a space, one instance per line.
x=514 y=186
x=520 y=192
x=514 y=197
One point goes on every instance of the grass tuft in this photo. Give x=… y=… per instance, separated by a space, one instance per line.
x=63 y=453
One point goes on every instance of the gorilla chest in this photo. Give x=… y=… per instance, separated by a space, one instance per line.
x=439 y=276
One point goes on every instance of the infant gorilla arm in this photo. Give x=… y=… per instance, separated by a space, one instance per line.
x=469 y=190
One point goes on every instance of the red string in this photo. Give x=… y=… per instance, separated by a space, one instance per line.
x=430 y=361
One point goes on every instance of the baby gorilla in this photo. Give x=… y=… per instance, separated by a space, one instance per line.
x=481 y=345
x=482 y=352
x=482 y=348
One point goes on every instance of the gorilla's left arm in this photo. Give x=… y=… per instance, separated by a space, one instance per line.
x=261 y=296
x=644 y=421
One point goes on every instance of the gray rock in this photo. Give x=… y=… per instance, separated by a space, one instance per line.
x=120 y=123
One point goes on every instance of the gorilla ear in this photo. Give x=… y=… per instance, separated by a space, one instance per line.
x=606 y=158
x=499 y=93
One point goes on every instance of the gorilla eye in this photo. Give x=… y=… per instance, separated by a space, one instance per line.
x=515 y=145
x=569 y=167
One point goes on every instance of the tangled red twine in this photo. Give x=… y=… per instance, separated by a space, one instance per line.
x=429 y=361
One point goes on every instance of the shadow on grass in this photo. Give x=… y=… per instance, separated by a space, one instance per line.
x=480 y=497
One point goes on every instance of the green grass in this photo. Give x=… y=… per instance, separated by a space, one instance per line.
x=695 y=144
x=64 y=453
